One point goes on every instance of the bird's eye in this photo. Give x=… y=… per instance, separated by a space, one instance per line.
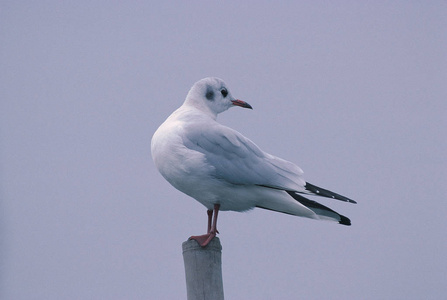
x=224 y=92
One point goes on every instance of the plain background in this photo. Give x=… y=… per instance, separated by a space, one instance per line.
x=354 y=92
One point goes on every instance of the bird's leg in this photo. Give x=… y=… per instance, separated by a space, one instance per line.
x=204 y=240
x=210 y=216
x=214 y=226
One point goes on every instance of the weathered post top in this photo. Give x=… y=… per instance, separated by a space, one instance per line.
x=203 y=270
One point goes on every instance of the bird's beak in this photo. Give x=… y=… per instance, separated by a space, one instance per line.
x=241 y=103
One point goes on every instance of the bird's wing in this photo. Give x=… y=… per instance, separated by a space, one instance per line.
x=318 y=191
x=237 y=160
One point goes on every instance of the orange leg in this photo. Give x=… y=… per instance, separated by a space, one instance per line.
x=204 y=240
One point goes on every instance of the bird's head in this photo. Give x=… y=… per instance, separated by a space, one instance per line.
x=211 y=95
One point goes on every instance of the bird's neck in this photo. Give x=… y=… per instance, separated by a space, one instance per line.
x=199 y=109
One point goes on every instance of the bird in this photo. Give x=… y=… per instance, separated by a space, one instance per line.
x=224 y=170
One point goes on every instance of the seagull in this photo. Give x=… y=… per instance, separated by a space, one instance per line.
x=224 y=170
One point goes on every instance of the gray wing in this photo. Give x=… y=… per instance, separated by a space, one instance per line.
x=238 y=160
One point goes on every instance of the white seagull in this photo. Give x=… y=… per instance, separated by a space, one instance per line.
x=224 y=170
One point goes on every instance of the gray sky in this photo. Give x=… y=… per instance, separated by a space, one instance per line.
x=354 y=93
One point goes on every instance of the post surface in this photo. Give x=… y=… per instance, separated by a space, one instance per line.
x=203 y=270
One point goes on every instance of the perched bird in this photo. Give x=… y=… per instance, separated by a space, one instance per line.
x=224 y=170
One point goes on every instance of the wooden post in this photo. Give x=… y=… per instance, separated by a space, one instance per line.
x=203 y=270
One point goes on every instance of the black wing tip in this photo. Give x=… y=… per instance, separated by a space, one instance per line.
x=312 y=205
x=351 y=201
x=344 y=221
x=326 y=193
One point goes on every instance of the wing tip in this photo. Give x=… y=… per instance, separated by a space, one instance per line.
x=318 y=191
x=344 y=221
x=315 y=206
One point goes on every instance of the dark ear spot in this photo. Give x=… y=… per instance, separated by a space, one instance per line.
x=209 y=93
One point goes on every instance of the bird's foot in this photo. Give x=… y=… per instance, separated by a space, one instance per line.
x=203 y=240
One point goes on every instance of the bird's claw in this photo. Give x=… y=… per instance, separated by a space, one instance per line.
x=203 y=240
